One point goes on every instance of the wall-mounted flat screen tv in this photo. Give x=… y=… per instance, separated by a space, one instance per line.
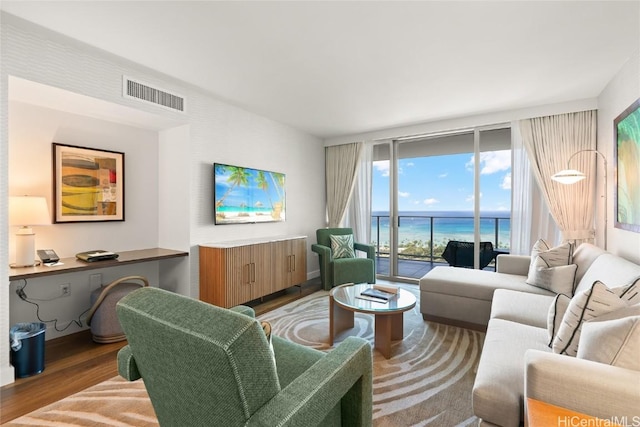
x=247 y=196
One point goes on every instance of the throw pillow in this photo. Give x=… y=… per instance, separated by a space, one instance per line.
x=559 y=280
x=630 y=293
x=543 y=261
x=615 y=342
x=560 y=255
x=556 y=312
x=342 y=246
x=587 y=305
x=266 y=327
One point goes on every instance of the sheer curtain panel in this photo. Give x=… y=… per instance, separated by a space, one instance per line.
x=550 y=142
x=341 y=165
x=358 y=215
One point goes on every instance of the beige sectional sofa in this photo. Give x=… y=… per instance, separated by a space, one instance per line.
x=516 y=361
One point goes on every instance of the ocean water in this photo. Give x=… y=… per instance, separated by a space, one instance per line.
x=447 y=225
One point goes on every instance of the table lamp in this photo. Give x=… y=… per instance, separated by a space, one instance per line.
x=25 y=211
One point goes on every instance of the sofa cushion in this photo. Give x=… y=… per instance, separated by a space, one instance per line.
x=612 y=269
x=498 y=389
x=477 y=284
x=522 y=307
x=631 y=293
x=556 y=313
x=583 y=256
x=614 y=342
x=586 y=305
x=560 y=255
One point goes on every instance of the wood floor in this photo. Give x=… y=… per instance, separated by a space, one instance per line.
x=75 y=362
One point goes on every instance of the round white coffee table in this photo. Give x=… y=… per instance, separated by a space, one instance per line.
x=344 y=301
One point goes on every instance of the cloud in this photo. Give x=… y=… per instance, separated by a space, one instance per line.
x=506 y=182
x=430 y=201
x=382 y=166
x=410 y=164
x=403 y=193
x=443 y=175
x=471 y=198
x=492 y=162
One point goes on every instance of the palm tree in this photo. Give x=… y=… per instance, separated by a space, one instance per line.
x=264 y=185
x=238 y=176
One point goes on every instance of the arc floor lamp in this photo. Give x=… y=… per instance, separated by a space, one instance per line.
x=571 y=176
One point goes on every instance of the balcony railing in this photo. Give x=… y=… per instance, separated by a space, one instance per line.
x=420 y=240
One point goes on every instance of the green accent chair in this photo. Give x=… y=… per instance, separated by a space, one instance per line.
x=334 y=272
x=204 y=365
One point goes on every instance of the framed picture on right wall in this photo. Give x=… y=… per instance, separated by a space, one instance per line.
x=626 y=129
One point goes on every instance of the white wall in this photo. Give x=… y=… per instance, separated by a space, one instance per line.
x=211 y=131
x=619 y=94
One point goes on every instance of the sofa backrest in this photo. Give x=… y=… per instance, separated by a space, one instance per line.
x=610 y=269
x=584 y=255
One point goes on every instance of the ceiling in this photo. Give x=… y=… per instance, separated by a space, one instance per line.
x=336 y=68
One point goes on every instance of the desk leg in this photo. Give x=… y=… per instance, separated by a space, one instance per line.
x=388 y=328
x=339 y=319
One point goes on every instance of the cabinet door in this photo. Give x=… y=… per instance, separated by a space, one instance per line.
x=298 y=261
x=261 y=270
x=239 y=274
x=290 y=263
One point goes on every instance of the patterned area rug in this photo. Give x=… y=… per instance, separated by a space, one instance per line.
x=427 y=381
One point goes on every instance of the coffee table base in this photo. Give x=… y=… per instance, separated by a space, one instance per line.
x=388 y=327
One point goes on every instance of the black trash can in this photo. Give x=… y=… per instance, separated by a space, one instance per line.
x=27 y=348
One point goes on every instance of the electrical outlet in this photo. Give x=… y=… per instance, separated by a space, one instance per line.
x=65 y=289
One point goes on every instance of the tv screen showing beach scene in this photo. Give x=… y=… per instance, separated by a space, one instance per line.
x=248 y=196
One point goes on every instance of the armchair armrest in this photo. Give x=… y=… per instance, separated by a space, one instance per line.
x=323 y=251
x=344 y=373
x=513 y=264
x=243 y=309
x=127 y=367
x=592 y=388
x=369 y=249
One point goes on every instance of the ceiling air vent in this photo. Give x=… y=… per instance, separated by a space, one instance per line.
x=144 y=92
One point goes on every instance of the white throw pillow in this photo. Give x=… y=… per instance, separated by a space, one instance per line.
x=614 y=342
x=556 y=313
x=542 y=272
x=630 y=293
x=560 y=279
x=587 y=305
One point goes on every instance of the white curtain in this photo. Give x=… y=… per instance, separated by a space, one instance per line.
x=550 y=142
x=358 y=215
x=530 y=216
x=341 y=166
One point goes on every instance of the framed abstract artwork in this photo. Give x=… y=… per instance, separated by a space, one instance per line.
x=88 y=184
x=627 y=155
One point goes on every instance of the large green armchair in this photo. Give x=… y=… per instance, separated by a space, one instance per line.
x=204 y=365
x=337 y=271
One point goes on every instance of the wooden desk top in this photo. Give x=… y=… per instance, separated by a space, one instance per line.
x=541 y=414
x=72 y=265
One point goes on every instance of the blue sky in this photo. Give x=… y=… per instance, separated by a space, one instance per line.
x=445 y=183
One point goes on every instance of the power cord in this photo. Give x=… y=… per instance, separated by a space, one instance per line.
x=23 y=296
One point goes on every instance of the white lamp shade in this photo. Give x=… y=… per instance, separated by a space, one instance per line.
x=568 y=176
x=28 y=210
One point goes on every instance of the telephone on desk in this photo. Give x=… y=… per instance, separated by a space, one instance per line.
x=96 y=255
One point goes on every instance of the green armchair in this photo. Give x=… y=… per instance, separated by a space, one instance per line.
x=337 y=271
x=204 y=365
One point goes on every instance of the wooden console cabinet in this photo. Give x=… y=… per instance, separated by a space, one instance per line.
x=233 y=273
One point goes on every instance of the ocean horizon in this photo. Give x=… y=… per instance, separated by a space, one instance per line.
x=447 y=225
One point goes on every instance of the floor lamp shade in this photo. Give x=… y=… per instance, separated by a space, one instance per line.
x=24 y=212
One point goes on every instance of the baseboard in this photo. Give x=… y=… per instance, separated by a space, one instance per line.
x=454 y=322
x=7 y=375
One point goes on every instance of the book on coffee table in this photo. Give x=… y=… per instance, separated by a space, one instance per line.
x=376 y=293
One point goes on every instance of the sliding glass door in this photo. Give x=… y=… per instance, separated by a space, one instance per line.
x=431 y=190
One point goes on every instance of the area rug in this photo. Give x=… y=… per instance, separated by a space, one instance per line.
x=426 y=382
